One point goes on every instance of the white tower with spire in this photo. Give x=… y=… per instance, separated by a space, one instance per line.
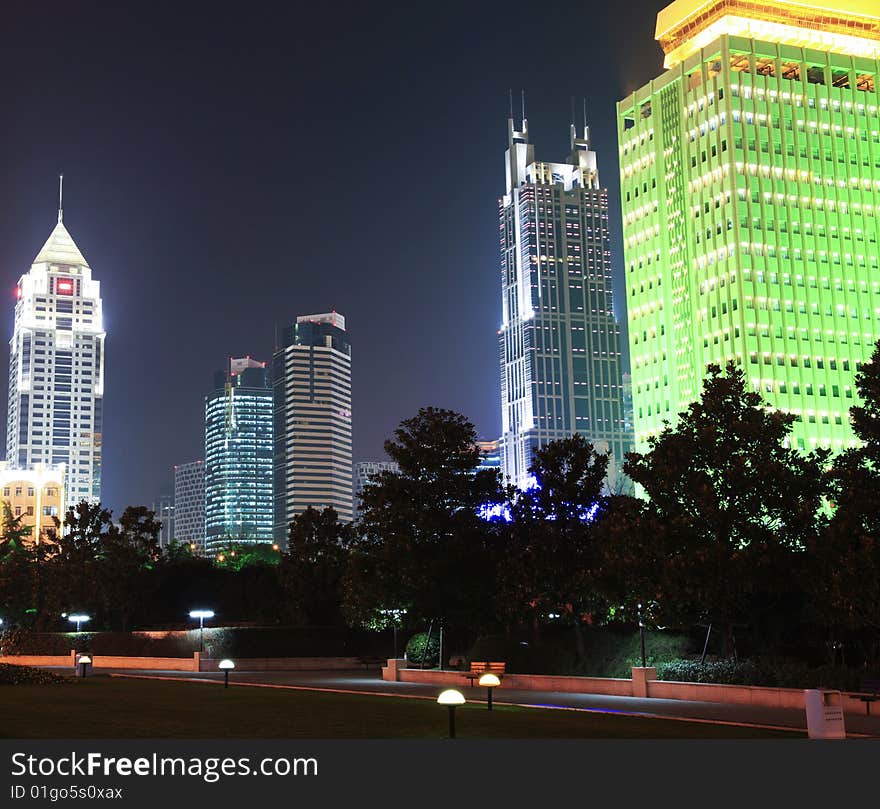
x=56 y=367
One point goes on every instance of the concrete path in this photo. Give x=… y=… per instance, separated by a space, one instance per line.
x=371 y=682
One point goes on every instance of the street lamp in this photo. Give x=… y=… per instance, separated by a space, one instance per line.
x=225 y=666
x=451 y=699
x=201 y=615
x=642 y=636
x=489 y=681
x=78 y=619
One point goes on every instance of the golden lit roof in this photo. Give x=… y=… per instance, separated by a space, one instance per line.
x=843 y=26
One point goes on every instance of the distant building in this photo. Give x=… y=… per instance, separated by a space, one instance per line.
x=490 y=454
x=311 y=375
x=364 y=471
x=36 y=495
x=189 y=504
x=164 y=511
x=238 y=456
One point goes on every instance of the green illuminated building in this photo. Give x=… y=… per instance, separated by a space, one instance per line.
x=750 y=184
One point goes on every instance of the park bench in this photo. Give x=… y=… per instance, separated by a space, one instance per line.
x=480 y=667
x=870 y=692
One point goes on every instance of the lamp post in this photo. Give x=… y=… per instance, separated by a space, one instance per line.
x=226 y=666
x=451 y=699
x=78 y=619
x=201 y=615
x=489 y=681
x=642 y=636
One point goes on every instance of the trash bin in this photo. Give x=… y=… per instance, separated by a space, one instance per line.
x=83 y=664
x=824 y=714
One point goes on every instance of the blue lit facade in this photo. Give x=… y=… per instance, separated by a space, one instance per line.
x=238 y=457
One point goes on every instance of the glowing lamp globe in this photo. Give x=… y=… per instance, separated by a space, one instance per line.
x=225 y=664
x=489 y=680
x=451 y=697
x=85 y=659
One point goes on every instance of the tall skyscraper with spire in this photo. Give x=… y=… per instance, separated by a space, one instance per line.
x=559 y=340
x=56 y=368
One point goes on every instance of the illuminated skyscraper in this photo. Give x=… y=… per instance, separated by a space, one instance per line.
x=311 y=375
x=56 y=368
x=189 y=504
x=238 y=456
x=559 y=340
x=750 y=182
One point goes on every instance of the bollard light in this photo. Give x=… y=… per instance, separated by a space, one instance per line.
x=78 y=619
x=489 y=681
x=84 y=661
x=226 y=666
x=451 y=699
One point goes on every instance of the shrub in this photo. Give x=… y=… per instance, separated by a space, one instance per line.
x=765 y=672
x=421 y=651
x=27 y=675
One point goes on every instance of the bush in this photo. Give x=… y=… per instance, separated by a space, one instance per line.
x=421 y=651
x=764 y=672
x=27 y=675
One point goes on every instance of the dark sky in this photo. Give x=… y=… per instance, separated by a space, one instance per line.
x=229 y=167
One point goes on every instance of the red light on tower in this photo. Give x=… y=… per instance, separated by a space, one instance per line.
x=18 y=293
x=64 y=286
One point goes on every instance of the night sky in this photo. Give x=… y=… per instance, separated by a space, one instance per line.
x=228 y=167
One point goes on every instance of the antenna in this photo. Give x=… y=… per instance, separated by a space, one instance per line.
x=585 y=113
x=523 y=93
x=572 y=110
x=60 y=198
x=510 y=91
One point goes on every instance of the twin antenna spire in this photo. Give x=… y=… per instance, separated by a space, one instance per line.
x=60 y=198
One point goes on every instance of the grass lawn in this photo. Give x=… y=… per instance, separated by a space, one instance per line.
x=102 y=707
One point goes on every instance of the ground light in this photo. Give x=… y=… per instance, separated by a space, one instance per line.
x=451 y=699
x=83 y=663
x=201 y=615
x=489 y=681
x=79 y=619
x=226 y=666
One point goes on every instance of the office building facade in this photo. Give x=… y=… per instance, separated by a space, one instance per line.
x=311 y=376
x=56 y=369
x=750 y=183
x=365 y=471
x=238 y=457
x=189 y=505
x=559 y=340
x=36 y=496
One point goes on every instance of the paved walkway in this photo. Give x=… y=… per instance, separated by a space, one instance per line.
x=370 y=682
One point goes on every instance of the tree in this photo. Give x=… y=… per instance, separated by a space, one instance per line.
x=420 y=545
x=737 y=503
x=845 y=574
x=552 y=561
x=312 y=568
x=79 y=538
x=124 y=558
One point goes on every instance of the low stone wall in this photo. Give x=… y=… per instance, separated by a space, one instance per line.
x=644 y=684
x=40 y=660
x=287 y=664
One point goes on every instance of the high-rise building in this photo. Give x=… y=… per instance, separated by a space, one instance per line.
x=189 y=504
x=490 y=454
x=311 y=376
x=559 y=339
x=238 y=456
x=164 y=511
x=750 y=183
x=56 y=368
x=365 y=471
